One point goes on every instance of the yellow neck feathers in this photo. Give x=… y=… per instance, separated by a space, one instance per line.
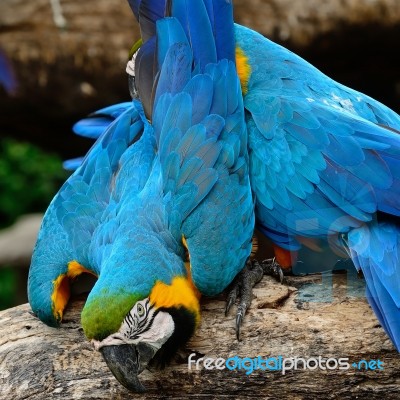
x=180 y=292
x=243 y=69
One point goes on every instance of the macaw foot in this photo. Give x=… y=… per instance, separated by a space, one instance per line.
x=243 y=284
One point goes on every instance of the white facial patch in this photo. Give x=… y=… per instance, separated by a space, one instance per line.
x=161 y=330
x=130 y=66
x=143 y=324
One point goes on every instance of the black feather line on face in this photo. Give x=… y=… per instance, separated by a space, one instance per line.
x=149 y=323
x=139 y=331
x=136 y=327
x=185 y=325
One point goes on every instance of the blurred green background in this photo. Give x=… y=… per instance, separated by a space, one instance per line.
x=29 y=178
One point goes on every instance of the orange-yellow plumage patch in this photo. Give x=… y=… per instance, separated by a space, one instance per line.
x=61 y=288
x=60 y=296
x=179 y=293
x=75 y=269
x=243 y=68
x=285 y=258
x=185 y=242
x=188 y=267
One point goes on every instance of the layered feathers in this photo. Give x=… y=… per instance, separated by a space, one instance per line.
x=324 y=159
x=143 y=187
x=324 y=162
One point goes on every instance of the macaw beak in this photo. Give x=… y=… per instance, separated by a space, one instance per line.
x=127 y=361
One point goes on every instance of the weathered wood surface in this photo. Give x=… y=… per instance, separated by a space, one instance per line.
x=38 y=362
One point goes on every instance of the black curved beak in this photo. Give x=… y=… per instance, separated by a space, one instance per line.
x=127 y=361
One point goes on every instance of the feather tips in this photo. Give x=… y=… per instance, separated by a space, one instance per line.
x=375 y=249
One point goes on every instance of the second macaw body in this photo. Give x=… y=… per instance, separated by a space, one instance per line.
x=324 y=164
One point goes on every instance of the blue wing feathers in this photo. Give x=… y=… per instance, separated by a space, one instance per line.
x=178 y=116
x=375 y=249
x=325 y=159
x=214 y=125
x=169 y=32
x=200 y=89
x=77 y=211
x=199 y=122
x=191 y=141
x=95 y=124
x=220 y=14
x=341 y=152
x=176 y=71
x=196 y=23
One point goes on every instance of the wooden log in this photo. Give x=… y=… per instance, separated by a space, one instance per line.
x=38 y=362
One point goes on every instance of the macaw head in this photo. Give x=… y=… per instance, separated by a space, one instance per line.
x=133 y=330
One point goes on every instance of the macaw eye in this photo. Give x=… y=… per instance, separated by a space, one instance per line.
x=140 y=310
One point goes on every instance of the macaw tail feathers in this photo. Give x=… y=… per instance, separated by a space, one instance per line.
x=220 y=13
x=206 y=25
x=147 y=12
x=375 y=249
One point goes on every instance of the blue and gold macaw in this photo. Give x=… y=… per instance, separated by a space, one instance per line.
x=324 y=165
x=160 y=209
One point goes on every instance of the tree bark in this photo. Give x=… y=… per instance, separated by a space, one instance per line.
x=38 y=362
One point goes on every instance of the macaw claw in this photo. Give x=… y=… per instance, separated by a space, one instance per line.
x=272 y=268
x=243 y=284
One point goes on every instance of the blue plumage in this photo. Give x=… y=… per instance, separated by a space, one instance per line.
x=144 y=186
x=375 y=249
x=324 y=160
x=96 y=123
